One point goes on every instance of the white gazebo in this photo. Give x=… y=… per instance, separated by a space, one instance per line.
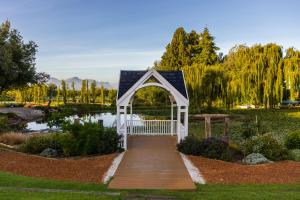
x=173 y=82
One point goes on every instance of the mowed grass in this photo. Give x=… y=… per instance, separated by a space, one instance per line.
x=278 y=122
x=16 y=183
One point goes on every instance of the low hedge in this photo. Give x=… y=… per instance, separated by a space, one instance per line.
x=77 y=139
x=37 y=144
x=211 y=147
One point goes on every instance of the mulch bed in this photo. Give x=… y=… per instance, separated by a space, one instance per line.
x=216 y=171
x=85 y=170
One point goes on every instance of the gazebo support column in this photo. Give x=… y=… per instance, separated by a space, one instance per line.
x=172 y=121
x=186 y=121
x=131 y=118
x=125 y=128
x=178 y=124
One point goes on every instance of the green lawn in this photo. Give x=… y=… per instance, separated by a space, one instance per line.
x=16 y=183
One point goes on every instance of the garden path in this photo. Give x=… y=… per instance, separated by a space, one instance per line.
x=152 y=162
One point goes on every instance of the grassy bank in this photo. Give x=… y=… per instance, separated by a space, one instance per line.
x=203 y=191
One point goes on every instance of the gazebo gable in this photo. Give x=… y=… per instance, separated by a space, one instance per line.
x=172 y=81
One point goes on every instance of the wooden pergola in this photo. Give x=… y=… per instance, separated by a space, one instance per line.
x=208 y=118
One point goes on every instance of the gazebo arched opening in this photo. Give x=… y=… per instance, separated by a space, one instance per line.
x=132 y=81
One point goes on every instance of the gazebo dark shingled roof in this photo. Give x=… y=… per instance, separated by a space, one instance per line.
x=129 y=78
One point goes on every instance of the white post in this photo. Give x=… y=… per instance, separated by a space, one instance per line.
x=118 y=120
x=172 y=118
x=131 y=118
x=178 y=123
x=125 y=128
x=186 y=121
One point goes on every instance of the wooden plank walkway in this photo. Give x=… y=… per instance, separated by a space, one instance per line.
x=152 y=162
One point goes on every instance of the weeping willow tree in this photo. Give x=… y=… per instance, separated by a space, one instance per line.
x=255 y=75
x=292 y=73
x=206 y=84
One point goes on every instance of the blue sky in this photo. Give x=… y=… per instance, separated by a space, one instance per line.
x=95 y=39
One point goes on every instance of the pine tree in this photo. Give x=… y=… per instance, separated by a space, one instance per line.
x=205 y=50
x=176 y=52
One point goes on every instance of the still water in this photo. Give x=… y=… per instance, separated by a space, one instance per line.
x=108 y=120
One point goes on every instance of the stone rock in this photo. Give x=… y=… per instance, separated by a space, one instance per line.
x=49 y=153
x=255 y=158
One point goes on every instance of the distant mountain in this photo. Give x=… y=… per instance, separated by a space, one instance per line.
x=78 y=81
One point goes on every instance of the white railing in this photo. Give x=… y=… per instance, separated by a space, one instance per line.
x=151 y=127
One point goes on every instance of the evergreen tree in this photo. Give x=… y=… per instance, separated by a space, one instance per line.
x=176 y=52
x=205 y=50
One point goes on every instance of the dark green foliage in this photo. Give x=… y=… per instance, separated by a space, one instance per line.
x=17 y=60
x=58 y=118
x=265 y=145
x=190 y=145
x=251 y=128
x=36 y=144
x=211 y=147
x=3 y=123
x=293 y=140
x=78 y=139
x=89 y=138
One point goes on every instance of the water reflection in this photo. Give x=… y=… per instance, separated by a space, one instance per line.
x=108 y=120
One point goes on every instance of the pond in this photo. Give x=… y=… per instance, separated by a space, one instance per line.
x=108 y=121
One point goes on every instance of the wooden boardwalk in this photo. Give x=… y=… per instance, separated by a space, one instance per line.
x=152 y=162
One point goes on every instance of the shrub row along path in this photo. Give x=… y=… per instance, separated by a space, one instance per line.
x=152 y=162
x=217 y=171
x=85 y=170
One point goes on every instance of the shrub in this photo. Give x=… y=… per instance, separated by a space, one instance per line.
x=36 y=144
x=293 y=140
x=13 y=138
x=89 y=138
x=210 y=147
x=266 y=145
x=294 y=154
x=3 y=124
x=190 y=145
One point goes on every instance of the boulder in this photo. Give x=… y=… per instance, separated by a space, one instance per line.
x=255 y=158
x=49 y=153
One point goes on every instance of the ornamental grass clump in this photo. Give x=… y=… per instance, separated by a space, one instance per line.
x=13 y=138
